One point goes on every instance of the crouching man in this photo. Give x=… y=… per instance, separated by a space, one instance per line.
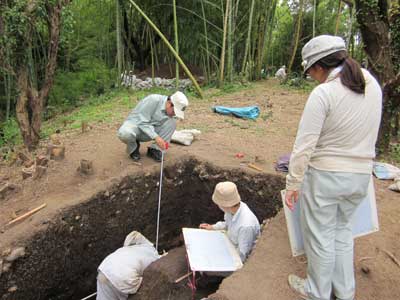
x=241 y=224
x=121 y=272
x=153 y=119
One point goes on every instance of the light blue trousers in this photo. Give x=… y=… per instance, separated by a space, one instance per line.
x=328 y=200
x=129 y=133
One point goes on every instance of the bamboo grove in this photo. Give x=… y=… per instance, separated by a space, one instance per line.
x=96 y=41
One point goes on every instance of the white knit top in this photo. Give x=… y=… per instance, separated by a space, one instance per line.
x=338 y=129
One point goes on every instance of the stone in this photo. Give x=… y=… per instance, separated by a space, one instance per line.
x=6 y=252
x=12 y=289
x=15 y=254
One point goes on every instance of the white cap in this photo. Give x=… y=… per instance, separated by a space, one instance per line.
x=180 y=101
x=320 y=47
x=226 y=194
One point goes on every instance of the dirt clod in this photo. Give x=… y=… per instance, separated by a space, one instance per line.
x=12 y=289
x=15 y=254
x=42 y=160
x=27 y=172
x=86 y=167
x=56 y=151
x=8 y=188
x=365 y=270
x=39 y=172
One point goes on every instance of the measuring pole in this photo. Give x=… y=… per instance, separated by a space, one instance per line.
x=159 y=193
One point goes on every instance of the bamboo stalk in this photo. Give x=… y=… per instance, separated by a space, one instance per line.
x=222 y=60
x=183 y=277
x=229 y=67
x=119 y=50
x=176 y=45
x=297 y=35
x=314 y=17
x=338 y=17
x=150 y=36
x=248 y=37
x=167 y=43
x=254 y=167
x=28 y=214
x=208 y=73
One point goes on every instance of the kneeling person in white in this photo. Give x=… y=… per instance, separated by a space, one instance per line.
x=240 y=222
x=121 y=272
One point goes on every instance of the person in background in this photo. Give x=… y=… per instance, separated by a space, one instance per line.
x=331 y=165
x=281 y=73
x=121 y=273
x=241 y=224
x=153 y=119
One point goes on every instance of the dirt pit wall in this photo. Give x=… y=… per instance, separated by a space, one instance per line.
x=61 y=261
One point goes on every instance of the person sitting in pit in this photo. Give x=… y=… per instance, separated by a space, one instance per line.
x=153 y=119
x=241 y=224
x=121 y=273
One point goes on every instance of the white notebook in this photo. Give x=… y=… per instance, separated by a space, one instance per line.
x=210 y=250
x=364 y=221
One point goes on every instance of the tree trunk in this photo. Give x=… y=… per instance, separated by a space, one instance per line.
x=30 y=102
x=373 y=19
x=119 y=43
x=246 y=51
x=338 y=17
x=297 y=35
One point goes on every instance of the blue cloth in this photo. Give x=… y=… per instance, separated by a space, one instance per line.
x=249 y=112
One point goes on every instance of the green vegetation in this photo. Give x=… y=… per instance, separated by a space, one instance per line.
x=110 y=107
x=54 y=62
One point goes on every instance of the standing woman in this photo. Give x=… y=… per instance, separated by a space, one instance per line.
x=331 y=165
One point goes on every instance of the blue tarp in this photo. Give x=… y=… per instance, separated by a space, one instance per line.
x=249 y=112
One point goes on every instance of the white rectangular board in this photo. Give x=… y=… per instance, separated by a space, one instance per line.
x=210 y=250
x=364 y=221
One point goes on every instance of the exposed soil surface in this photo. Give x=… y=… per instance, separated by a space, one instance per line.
x=264 y=276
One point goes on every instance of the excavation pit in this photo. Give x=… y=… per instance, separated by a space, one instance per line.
x=61 y=261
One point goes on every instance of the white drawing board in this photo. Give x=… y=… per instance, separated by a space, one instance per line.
x=210 y=250
x=364 y=221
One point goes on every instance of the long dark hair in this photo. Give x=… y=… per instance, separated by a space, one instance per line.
x=351 y=75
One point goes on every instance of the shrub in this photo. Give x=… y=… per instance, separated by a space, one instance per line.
x=71 y=88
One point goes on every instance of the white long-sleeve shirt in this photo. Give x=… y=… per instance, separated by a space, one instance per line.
x=338 y=129
x=242 y=229
x=124 y=267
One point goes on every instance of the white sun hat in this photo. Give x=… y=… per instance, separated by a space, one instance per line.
x=180 y=101
x=319 y=47
x=226 y=194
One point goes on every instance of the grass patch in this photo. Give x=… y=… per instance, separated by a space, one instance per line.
x=10 y=134
x=107 y=108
